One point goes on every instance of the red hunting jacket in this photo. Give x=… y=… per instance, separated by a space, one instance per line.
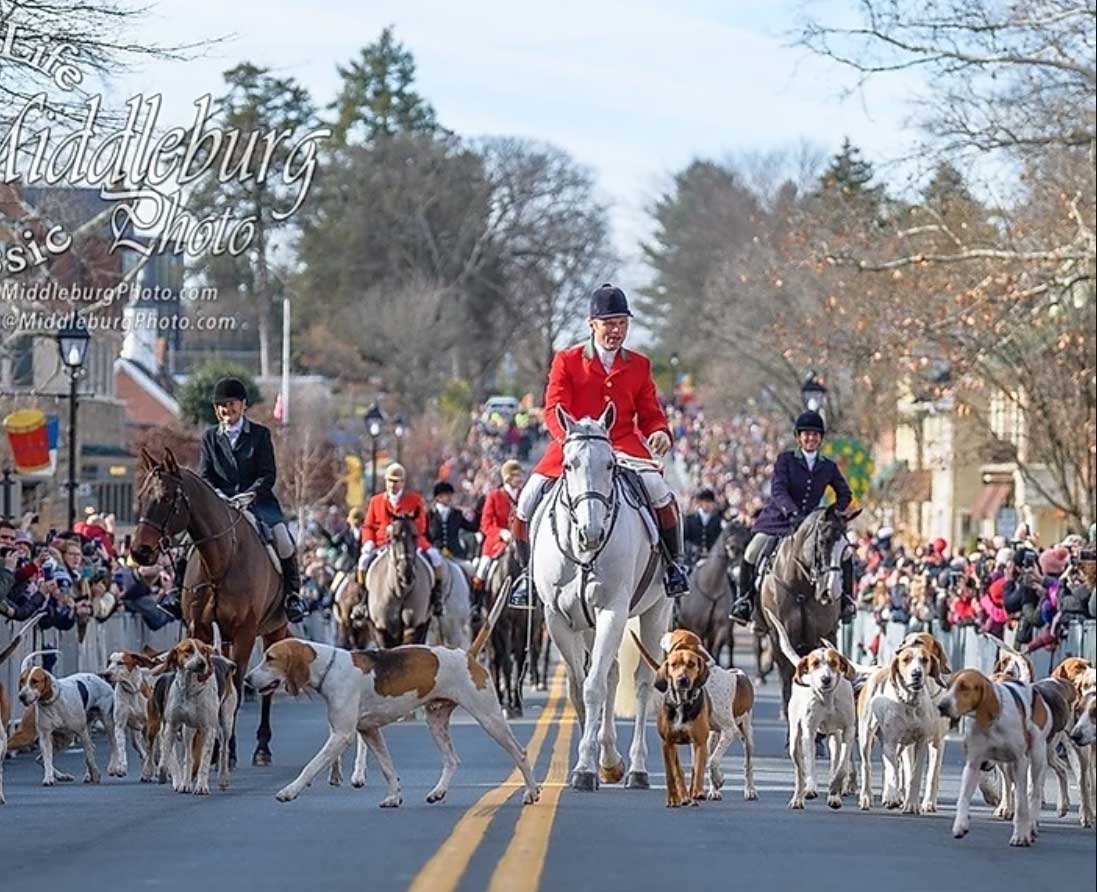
x=381 y=513
x=579 y=384
x=494 y=519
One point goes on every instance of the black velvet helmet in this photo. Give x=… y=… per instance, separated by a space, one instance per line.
x=229 y=389
x=706 y=495
x=607 y=301
x=442 y=488
x=810 y=421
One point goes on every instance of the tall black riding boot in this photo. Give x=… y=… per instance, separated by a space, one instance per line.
x=519 y=594
x=675 y=580
x=296 y=609
x=743 y=608
x=849 y=603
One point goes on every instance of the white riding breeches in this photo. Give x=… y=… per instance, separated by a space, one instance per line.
x=656 y=486
x=483 y=567
x=283 y=541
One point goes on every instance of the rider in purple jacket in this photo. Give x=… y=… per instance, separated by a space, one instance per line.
x=800 y=478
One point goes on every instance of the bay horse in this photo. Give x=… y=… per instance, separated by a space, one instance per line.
x=803 y=587
x=516 y=639
x=704 y=609
x=595 y=566
x=398 y=585
x=229 y=579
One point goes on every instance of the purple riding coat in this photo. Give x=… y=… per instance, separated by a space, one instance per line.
x=795 y=491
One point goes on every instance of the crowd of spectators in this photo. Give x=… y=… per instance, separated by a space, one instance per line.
x=999 y=584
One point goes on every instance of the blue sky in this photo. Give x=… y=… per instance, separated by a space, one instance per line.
x=632 y=89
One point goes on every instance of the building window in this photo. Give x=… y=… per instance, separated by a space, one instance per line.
x=22 y=361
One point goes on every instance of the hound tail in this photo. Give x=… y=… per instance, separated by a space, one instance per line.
x=29 y=658
x=787 y=650
x=492 y=618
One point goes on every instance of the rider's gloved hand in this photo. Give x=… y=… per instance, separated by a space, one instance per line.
x=243 y=499
x=659 y=443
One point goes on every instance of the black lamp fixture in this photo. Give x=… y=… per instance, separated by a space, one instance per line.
x=72 y=345
x=814 y=394
x=375 y=420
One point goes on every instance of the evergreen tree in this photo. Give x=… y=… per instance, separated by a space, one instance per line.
x=849 y=174
x=376 y=97
x=196 y=395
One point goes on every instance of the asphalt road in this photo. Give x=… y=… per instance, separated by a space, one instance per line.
x=126 y=835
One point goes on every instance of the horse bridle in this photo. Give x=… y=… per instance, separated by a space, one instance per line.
x=611 y=503
x=815 y=571
x=166 y=541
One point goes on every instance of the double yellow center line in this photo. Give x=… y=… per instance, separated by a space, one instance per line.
x=519 y=870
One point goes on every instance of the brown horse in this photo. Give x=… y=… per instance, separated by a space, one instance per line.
x=230 y=578
x=804 y=587
x=703 y=610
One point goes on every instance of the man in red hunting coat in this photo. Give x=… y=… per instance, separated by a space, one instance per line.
x=495 y=520
x=583 y=380
x=382 y=509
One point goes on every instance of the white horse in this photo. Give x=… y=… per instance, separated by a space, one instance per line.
x=595 y=566
x=454 y=627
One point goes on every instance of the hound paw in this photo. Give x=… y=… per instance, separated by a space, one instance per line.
x=1086 y=820
x=1020 y=839
x=892 y=804
x=63 y=777
x=796 y=802
x=811 y=794
x=90 y=778
x=201 y=789
x=911 y=808
x=865 y=803
x=49 y=781
x=750 y=794
x=929 y=808
x=286 y=794
x=117 y=770
x=959 y=830
x=436 y=795
x=834 y=800
x=357 y=782
x=392 y=801
x=713 y=795
x=531 y=796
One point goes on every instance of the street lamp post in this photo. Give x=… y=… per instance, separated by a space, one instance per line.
x=374 y=419
x=72 y=344
x=399 y=431
x=814 y=394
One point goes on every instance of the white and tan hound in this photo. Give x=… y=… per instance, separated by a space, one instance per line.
x=66 y=706
x=366 y=690
x=821 y=704
x=1011 y=726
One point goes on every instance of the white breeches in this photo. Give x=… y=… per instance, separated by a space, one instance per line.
x=283 y=541
x=483 y=566
x=530 y=496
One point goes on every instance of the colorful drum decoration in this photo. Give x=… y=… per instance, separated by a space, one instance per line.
x=29 y=439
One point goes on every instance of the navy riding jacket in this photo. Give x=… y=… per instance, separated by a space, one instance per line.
x=796 y=491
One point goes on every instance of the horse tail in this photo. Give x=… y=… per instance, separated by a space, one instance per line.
x=625 y=704
x=489 y=622
x=782 y=636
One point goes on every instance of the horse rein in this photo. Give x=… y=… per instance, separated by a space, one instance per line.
x=612 y=504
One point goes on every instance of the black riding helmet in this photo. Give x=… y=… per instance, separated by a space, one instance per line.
x=811 y=421
x=229 y=389
x=442 y=488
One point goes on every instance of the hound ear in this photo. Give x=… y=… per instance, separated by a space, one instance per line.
x=935 y=668
x=847 y=669
x=702 y=679
x=801 y=671
x=608 y=416
x=661 y=683
x=943 y=667
x=564 y=419
x=988 y=707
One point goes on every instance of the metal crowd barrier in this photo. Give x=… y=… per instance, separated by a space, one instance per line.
x=967 y=649
x=120 y=632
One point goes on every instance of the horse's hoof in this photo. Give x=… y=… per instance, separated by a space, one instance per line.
x=584 y=781
x=638 y=780
x=613 y=774
x=261 y=759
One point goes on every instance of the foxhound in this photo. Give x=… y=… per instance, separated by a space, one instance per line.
x=1011 y=726
x=1082 y=678
x=731 y=703
x=821 y=703
x=67 y=706
x=683 y=717
x=132 y=676
x=365 y=690
x=200 y=702
x=897 y=704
